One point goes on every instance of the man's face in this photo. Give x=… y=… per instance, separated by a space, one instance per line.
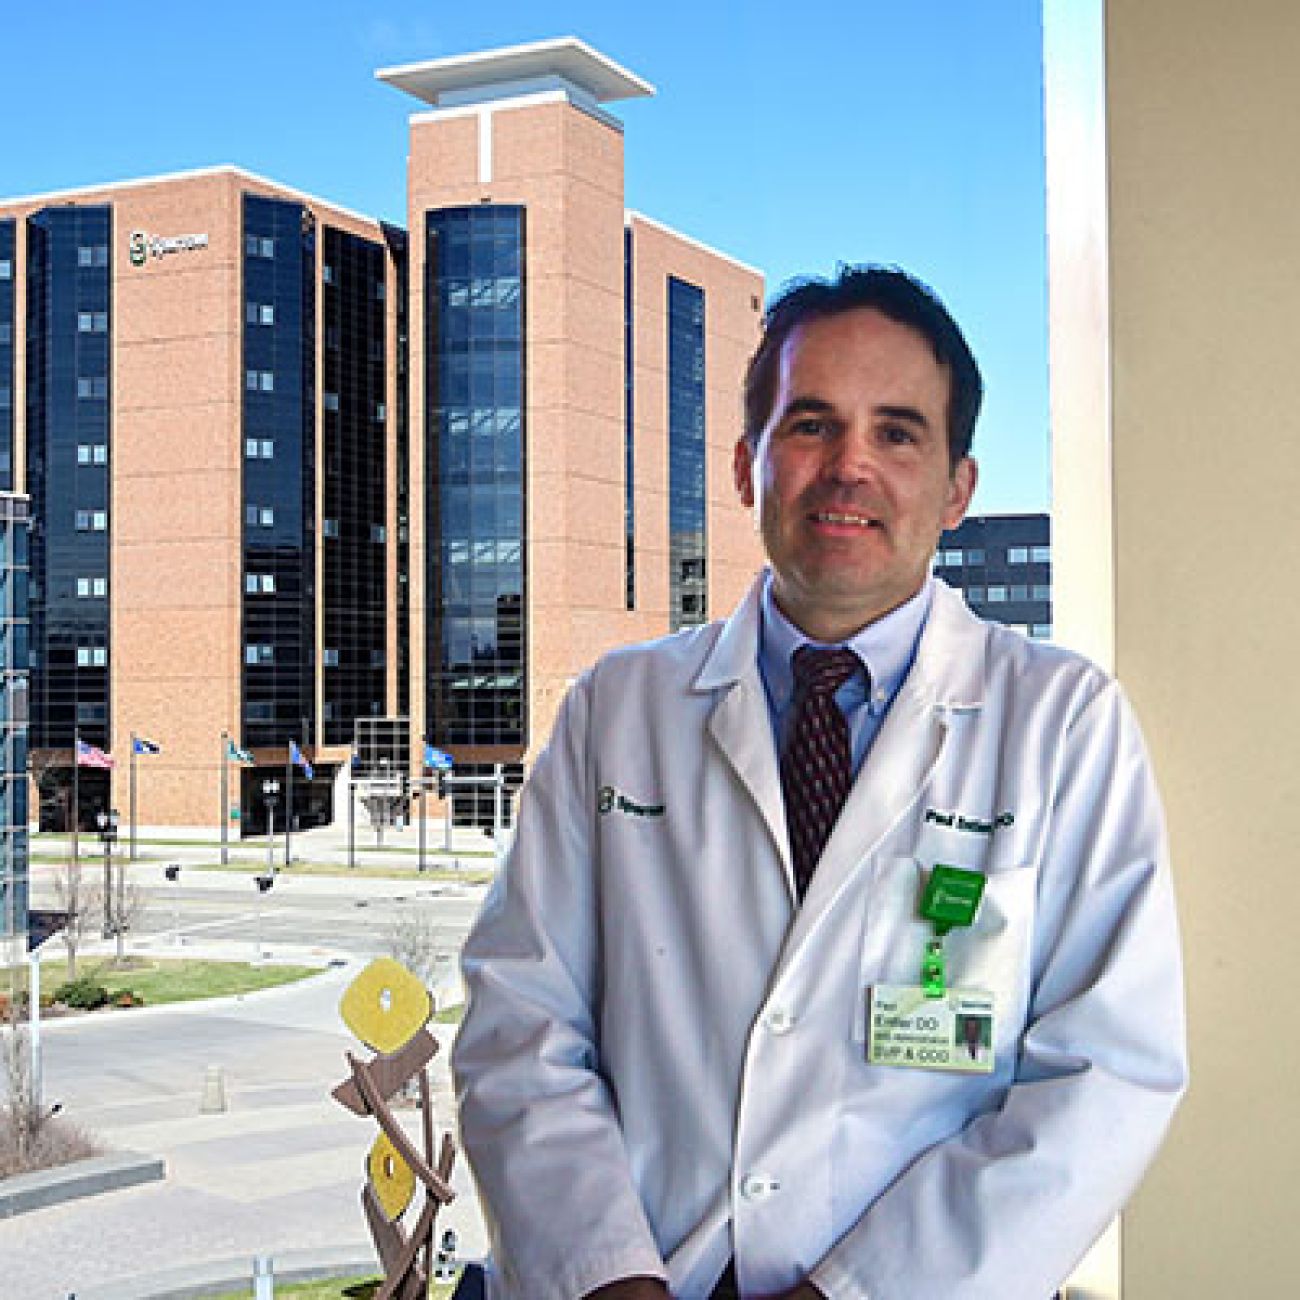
x=850 y=477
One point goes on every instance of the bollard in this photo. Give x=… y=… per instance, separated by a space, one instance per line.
x=214 y=1091
x=263 y=1278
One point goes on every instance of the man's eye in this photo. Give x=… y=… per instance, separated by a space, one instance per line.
x=810 y=425
x=898 y=435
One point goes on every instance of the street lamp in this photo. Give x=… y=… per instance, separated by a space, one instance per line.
x=173 y=874
x=270 y=793
x=261 y=884
x=106 y=820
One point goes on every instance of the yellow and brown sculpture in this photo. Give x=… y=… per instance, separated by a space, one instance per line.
x=387 y=1008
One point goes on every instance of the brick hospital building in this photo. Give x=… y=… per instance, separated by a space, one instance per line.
x=292 y=468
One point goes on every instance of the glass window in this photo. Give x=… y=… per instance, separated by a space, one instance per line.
x=1018 y=555
x=997 y=595
x=1018 y=593
x=975 y=594
x=331 y=401
x=975 y=555
x=1040 y=591
x=1041 y=555
x=6 y=269
x=378 y=533
x=266 y=517
x=1040 y=631
x=331 y=657
x=98 y=520
x=330 y=527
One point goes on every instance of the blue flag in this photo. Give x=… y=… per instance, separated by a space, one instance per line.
x=237 y=755
x=436 y=759
x=296 y=756
x=142 y=746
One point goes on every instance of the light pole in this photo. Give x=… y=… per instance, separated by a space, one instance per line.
x=261 y=884
x=270 y=793
x=106 y=820
x=173 y=875
x=382 y=807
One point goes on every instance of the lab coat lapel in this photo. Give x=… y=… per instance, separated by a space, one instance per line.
x=947 y=678
x=897 y=770
x=741 y=722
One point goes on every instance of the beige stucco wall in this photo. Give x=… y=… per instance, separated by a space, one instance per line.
x=1202 y=110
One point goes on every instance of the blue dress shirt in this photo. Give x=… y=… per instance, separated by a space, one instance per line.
x=886 y=647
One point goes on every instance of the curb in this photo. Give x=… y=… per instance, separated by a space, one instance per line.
x=223 y=1276
x=46 y=1187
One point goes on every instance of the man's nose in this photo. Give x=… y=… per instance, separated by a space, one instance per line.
x=851 y=456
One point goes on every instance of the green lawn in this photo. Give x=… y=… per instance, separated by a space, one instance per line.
x=338 y=1288
x=181 y=980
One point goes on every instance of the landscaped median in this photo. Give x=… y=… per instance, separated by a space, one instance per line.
x=155 y=981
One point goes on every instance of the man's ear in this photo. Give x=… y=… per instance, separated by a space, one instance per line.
x=742 y=469
x=961 y=487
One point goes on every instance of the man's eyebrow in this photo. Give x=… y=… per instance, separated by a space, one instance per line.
x=910 y=414
x=807 y=405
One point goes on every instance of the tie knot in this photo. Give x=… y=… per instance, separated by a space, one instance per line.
x=822 y=670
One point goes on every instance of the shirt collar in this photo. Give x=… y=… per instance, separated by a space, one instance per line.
x=887 y=647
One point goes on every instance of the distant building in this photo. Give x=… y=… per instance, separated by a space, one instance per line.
x=14 y=877
x=1002 y=564
x=292 y=468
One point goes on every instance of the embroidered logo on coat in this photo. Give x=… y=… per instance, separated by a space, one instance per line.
x=613 y=800
x=973 y=825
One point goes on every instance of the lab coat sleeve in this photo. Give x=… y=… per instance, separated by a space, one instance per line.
x=1005 y=1208
x=537 y=1119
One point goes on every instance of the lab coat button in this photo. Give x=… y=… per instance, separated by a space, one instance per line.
x=780 y=1021
x=754 y=1187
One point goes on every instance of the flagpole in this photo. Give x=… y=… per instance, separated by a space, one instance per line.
x=225 y=799
x=76 y=795
x=288 y=802
x=133 y=796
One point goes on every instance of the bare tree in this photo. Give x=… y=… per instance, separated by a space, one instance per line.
x=77 y=901
x=415 y=939
x=30 y=1136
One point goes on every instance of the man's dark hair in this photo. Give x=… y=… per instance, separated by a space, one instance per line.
x=891 y=292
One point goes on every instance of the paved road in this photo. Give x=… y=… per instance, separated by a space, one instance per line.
x=279 y=1171
x=356 y=916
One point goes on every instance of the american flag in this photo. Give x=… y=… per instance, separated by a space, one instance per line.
x=89 y=756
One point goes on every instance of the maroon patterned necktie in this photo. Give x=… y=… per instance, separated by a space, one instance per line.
x=817 y=766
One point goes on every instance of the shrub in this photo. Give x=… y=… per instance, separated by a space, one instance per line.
x=84 y=994
x=127 y=998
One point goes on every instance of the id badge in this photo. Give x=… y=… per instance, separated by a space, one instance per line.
x=909 y=1029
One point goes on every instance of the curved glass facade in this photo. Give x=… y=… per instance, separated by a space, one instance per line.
x=14 y=882
x=474 y=486
x=69 y=425
x=687 y=576
x=8 y=264
x=279 y=472
x=356 y=422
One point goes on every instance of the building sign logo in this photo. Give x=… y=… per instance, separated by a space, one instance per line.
x=145 y=246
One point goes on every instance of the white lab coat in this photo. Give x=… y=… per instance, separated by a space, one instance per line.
x=663 y=1059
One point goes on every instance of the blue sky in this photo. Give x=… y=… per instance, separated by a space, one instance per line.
x=793 y=136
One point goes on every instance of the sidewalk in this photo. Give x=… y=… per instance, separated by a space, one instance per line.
x=278 y=1172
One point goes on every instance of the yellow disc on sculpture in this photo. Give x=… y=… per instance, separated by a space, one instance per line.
x=385 y=1006
x=390 y=1176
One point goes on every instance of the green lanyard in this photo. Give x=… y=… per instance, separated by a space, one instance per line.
x=950 y=901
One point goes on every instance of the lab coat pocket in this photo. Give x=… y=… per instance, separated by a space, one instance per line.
x=992 y=955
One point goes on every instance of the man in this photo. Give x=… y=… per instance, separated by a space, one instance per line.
x=710 y=1041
